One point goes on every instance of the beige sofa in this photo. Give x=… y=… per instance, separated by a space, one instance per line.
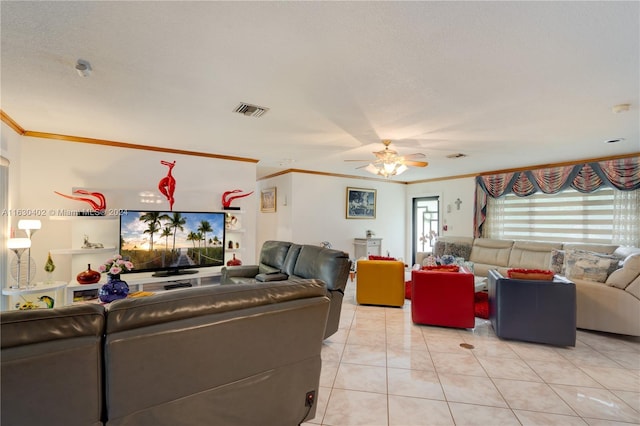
x=607 y=277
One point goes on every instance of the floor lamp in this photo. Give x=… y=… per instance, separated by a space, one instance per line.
x=30 y=227
x=18 y=246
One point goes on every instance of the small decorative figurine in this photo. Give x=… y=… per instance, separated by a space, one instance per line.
x=98 y=208
x=89 y=245
x=234 y=261
x=227 y=199
x=167 y=184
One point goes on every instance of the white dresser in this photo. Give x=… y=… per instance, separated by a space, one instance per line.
x=363 y=247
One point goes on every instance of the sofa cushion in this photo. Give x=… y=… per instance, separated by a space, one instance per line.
x=556 y=264
x=531 y=254
x=634 y=288
x=291 y=259
x=266 y=269
x=273 y=254
x=328 y=265
x=623 y=252
x=491 y=252
x=622 y=277
x=598 y=248
x=458 y=249
x=588 y=265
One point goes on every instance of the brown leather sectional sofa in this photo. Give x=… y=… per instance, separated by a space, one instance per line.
x=283 y=260
x=246 y=354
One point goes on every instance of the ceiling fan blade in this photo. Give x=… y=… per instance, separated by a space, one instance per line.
x=415 y=155
x=416 y=163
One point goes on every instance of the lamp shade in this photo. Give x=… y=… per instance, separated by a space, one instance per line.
x=18 y=243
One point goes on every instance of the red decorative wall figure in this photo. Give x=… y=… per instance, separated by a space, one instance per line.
x=98 y=207
x=167 y=184
x=227 y=199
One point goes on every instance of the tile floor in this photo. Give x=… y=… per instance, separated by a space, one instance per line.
x=381 y=369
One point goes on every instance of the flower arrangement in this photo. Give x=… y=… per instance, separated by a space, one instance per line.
x=447 y=259
x=115 y=265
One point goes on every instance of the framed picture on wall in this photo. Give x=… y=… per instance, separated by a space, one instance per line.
x=268 y=200
x=361 y=203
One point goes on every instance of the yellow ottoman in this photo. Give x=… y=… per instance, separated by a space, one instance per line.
x=380 y=282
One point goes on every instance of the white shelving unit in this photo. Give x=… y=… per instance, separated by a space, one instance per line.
x=106 y=233
x=139 y=281
x=235 y=234
x=99 y=229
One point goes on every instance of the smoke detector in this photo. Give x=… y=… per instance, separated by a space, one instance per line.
x=83 y=68
x=250 y=110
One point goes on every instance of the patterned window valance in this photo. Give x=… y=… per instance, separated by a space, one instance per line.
x=622 y=174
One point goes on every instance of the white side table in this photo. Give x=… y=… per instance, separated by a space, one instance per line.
x=41 y=295
x=363 y=247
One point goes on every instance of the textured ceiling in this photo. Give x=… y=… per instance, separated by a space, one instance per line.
x=510 y=84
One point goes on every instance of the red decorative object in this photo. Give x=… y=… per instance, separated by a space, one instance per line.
x=234 y=261
x=227 y=199
x=98 y=207
x=167 y=184
x=442 y=268
x=376 y=257
x=481 y=305
x=89 y=276
x=530 y=274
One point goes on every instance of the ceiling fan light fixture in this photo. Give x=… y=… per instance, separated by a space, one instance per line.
x=387 y=169
x=372 y=169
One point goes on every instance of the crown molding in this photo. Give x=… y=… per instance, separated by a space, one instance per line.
x=78 y=139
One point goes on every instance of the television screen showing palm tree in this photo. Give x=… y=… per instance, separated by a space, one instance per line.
x=170 y=242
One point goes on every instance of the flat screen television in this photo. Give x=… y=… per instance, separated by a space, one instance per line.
x=172 y=242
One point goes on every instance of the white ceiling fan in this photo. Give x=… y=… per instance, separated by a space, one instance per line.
x=388 y=163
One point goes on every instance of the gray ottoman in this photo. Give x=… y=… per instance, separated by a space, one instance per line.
x=533 y=310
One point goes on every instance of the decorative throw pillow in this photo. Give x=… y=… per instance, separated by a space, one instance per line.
x=458 y=250
x=438 y=249
x=375 y=257
x=588 y=265
x=557 y=261
x=622 y=277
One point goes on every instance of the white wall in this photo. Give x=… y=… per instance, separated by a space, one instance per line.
x=10 y=150
x=458 y=222
x=316 y=212
x=121 y=174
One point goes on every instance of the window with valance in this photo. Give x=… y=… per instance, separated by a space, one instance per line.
x=620 y=178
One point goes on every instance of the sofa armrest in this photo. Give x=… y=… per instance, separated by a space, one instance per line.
x=245 y=271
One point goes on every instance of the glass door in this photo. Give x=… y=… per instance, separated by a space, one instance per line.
x=426 y=223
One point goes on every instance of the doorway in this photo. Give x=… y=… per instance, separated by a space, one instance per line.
x=426 y=223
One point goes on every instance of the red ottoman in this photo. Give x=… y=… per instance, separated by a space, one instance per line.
x=443 y=298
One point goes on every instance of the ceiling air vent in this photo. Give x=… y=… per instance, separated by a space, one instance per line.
x=457 y=155
x=250 y=110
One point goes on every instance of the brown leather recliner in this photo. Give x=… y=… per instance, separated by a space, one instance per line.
x=282 y=260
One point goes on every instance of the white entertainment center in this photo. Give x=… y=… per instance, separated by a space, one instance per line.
x=103 y=230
